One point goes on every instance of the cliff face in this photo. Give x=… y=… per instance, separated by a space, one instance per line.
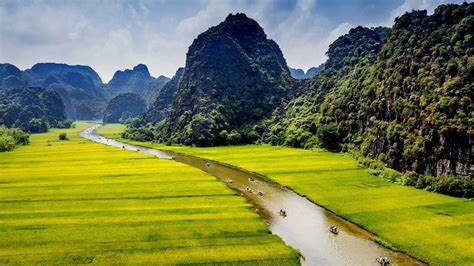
x=405 y=100
x=234 y=76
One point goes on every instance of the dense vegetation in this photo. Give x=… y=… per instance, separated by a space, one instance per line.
x=80 y=87
x=406 y=103
x=398 y=97
x=137 y=80
x=28 y=108
x=234 y=76
x=78 y=202
x=12 y=137
x=123 y=107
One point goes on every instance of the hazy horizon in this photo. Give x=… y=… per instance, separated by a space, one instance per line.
x=117 y=35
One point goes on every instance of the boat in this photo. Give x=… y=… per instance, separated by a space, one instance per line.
x=333 y=230
x=282 y=213
x=383 y=260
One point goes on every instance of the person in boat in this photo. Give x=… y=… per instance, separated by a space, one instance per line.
x=260 y=193
x=383 y=260
x=282 y=213
x=123 y=147
x=333 y=230
x=251 y=179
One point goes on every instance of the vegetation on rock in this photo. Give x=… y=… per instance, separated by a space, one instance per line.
x=137 y=80
x=123 y=107
x=80 y=87
x=406 y=102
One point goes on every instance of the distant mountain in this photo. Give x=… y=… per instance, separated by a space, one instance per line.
x=310 y=73
x=300 y=74
x=11 y=77
x=40 y=71
x=297 y=73
x=164 y=100
x=234 y=77
x=137 y=80
x=28 y=108
x=123 y=107
x=134 y=80
x=80 y=87
x=154 y=88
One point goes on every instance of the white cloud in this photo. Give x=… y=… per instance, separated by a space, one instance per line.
x=116 y=34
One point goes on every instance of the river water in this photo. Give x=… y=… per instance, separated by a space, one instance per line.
x=306 y=225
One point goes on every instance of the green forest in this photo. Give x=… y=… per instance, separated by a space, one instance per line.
x=397 y=98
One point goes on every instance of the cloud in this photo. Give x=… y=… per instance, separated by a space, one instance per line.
x=116 y=34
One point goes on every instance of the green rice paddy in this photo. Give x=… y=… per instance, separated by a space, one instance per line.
x=78 y=202
x=435 y=228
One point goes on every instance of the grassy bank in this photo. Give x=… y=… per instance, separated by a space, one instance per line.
x=68 y=202
x=435 y=228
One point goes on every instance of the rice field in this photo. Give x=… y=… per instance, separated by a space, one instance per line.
x=435 y=228
x=78 y=202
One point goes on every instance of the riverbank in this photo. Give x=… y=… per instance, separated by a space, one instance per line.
x=432 y=227
x=78 y=202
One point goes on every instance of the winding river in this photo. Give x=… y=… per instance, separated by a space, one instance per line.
x=306 y=225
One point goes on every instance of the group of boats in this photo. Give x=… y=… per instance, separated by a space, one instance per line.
x=382 y=260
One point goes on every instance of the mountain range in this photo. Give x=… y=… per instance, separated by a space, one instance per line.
x=397 y=97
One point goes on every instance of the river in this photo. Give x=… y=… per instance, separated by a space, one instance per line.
x=306 y=225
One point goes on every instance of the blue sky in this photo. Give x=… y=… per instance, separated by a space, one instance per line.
x=111 y=34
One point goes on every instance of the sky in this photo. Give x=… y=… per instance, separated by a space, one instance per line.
x=111 y=35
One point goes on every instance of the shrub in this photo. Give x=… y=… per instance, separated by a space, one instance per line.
x=11 y=137
x=63 y=136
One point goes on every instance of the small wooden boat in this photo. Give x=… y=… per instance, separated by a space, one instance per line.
x=384 y=261
x=251 y=179
x=260 y=193
x=282 y=213
x=333 y=230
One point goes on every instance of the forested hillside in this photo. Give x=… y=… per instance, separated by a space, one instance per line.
x=406 y=102
x=31 y=109
x=400 y=96
x=234 y=77
x=137 y=80
x=124 y=106
x=80 y=87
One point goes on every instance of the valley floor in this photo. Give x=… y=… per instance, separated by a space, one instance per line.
x=76 y=202
x=435 y=228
